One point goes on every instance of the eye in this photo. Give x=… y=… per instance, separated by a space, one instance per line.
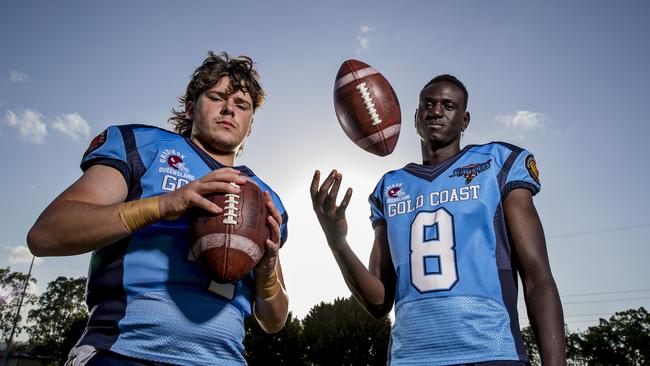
x=215 y=97
x=449 y=106
x=243 y=107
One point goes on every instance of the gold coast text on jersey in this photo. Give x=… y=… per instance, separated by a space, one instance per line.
x=435 y=198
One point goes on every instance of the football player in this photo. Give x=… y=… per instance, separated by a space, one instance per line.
x=149 y=301
x=452 y=235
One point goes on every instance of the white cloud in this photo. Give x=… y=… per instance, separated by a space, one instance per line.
x=522 y=122
x=30 y=126
x=20 y=254
x=72 y=124
x=18 y=77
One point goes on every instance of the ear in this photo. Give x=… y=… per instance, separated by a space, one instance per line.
x=250 y=127
x=189 y=109
x=466 y=118
x=415 y=117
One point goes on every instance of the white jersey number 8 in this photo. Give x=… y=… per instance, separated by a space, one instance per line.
x=425 y=254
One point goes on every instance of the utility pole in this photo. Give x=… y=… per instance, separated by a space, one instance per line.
x=5 y=361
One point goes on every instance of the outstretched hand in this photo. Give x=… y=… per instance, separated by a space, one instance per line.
x=330 y=216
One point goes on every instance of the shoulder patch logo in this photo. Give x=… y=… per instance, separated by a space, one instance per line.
x=97 y=142
x=471 y=171
x=531 y=166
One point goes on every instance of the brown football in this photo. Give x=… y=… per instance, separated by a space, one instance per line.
x=230 y=244
x=367 y=107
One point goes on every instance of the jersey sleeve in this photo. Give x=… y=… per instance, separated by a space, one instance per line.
x=523 y=174
x=377 y=205
x=108 y=149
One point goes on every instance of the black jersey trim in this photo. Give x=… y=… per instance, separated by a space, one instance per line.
x=510 y=186
x=432 y=171
x=378 y=222
x=134 y=161
x=106 y=297
x=120 y=165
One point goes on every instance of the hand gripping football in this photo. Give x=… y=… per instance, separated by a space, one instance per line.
x=230 y=244
x=367 y=107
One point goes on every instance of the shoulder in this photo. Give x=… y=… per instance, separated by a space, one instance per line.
x=503 y=154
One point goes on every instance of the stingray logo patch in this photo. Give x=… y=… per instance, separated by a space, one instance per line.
x=531 y=166
x=97 y=142
x=471 y=171
x=174 y=159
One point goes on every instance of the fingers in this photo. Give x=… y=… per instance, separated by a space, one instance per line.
x=313 y=189
x=327 y=184
x=340 y=211
x=275 y=213
x=275 y=232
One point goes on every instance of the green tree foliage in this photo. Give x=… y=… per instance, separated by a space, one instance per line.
x=11 y=289
x=285 y=347
x=59 y=312
x=624 y=339
x=344 y=334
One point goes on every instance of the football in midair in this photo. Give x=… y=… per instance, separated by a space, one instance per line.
x=229 y=245
x=367 y=107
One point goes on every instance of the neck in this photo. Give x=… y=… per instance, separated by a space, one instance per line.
x=225 y=158
x=438 y=154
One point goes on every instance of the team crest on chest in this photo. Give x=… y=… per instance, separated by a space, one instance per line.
x=174 y=159
x=395 y=192
x=470 y=171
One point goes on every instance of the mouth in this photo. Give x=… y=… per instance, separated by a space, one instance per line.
x=227 y=124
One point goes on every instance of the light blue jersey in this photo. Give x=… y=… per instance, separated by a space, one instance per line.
x=147 y=296
x=456 y=295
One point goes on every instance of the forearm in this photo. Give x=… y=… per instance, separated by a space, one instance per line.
x=547 y=321
x=366 y=287
x=70 y=228
x=271 y=303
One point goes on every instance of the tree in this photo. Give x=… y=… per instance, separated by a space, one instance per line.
x=624 y=339
x=344 y=334
x=58 y=311
x=11 y=289
x=285 y=347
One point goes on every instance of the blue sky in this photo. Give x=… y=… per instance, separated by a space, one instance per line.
x=566 y=80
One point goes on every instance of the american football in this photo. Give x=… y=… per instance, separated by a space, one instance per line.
x=367 y=107
x=230 y=244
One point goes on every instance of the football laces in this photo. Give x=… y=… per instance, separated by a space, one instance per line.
x=369 y=104
x=232 y=206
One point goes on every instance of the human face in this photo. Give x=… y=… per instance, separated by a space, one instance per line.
x=441 y=117
x=221 y=119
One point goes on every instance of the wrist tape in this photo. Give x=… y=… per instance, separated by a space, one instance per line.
x=140 y=213
x=267 y=287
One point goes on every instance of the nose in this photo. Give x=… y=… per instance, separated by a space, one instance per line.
x=228 y=107
x=436 y=111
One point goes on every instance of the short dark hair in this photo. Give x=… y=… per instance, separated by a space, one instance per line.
x=450 y=79
x=242 y=77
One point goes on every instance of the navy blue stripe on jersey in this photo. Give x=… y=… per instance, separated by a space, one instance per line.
x=508 y=280
x=105 y=294
x=119 y=165
x=518 y=184
x=134 y=161
x=432 y=171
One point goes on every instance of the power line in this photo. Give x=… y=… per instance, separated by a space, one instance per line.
x=589 y=232
x=606 y=292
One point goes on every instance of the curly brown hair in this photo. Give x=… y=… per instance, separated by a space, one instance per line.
x=242 y=77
